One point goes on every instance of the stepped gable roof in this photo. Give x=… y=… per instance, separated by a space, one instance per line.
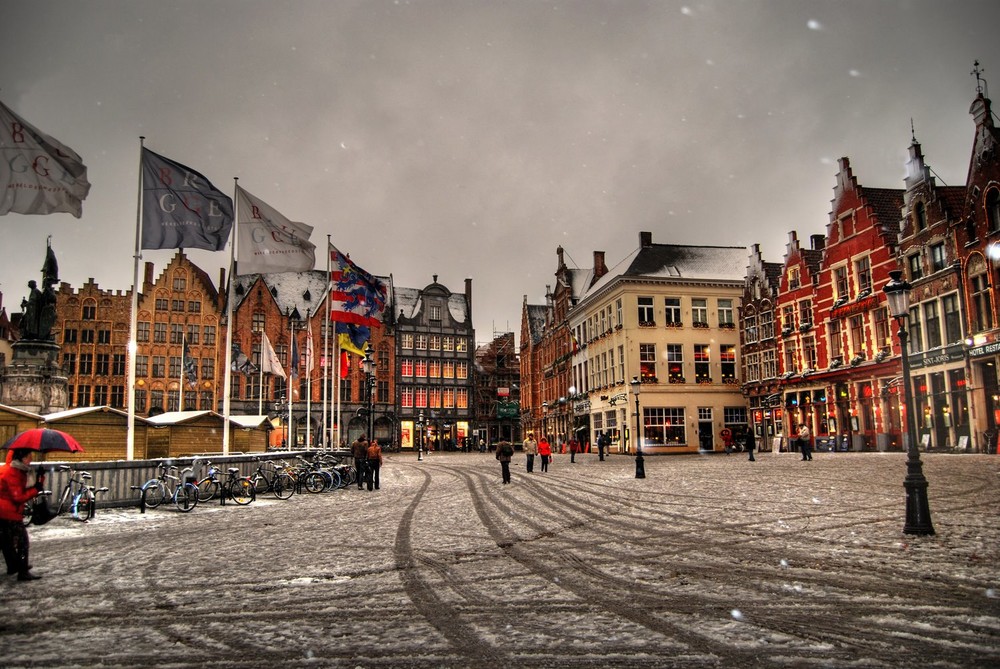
x=887 y=203
x=537 y=314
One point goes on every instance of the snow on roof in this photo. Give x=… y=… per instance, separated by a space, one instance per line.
x=250 y=421
x=178 y=417
x=290 y=290
x=21 y=412
x=408 y=301
x=79 y=411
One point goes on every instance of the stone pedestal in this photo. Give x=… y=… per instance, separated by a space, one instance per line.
x=34 y=380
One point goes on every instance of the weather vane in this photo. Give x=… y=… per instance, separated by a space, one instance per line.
x=977 y=72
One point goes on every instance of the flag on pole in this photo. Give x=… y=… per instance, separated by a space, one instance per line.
x=356 y=296
x=269 y=242
x=269 y=363
x=190 y=366
x=310 y=352
x=352 y=337
x=38 y=174
x=293 y=370
x=181 y=209
x=241 y=363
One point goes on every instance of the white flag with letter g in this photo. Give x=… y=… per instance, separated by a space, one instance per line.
x=269 y=242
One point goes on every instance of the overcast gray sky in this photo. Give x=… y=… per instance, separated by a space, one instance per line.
x=470 y=139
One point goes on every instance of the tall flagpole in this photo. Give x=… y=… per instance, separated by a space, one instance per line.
x=326 y=439
x=228 y=382
x=260 y=382
x=291 y=350
x=134 y=317
x=309 y=381
x=180 y=376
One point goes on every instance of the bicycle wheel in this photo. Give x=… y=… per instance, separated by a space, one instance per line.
x=153 y=493
x=332 y=479
x=242 y=491
x=315 y=482
x=83 y=505
x=283 y=486
x=65 y=499
x=207 y=489
x=186 y=497
x=29 y=508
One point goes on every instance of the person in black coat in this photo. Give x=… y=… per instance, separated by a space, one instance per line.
x=749 y=442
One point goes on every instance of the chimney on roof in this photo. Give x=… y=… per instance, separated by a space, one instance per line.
x=468 y=296
x=147 y=279
x=600 y=269
x=559 y=255
x=645 y=240
x=817 y=242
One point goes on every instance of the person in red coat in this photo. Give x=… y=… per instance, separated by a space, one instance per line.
x=17 y=486
x=545 y=452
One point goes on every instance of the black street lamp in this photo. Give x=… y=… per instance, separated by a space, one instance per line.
x=420 y=436
x=640 y=464
x=918 y=512
x=368 y=366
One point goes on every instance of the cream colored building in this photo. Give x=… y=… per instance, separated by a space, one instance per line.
x=665 y=316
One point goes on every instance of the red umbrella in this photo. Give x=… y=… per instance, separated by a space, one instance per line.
x=44 y=440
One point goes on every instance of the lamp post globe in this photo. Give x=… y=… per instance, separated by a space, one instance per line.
x=918 y=513
x=640 y=464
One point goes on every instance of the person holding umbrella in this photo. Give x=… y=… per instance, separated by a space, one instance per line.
x=18 y=484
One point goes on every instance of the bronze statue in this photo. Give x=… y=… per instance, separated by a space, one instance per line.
x=39 y=308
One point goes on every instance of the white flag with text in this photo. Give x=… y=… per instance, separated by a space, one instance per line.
x=269 y=242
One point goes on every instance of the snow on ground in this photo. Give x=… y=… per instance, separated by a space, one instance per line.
x=710 y=561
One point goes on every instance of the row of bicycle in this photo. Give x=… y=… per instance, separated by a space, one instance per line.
x=322 y=473
x=187 y=487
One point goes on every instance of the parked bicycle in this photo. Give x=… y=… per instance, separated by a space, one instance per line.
x=238 y=488
x=78 y=496
x=273 y=479
x=154 y=492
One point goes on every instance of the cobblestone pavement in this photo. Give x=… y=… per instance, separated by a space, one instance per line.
x=710 y=561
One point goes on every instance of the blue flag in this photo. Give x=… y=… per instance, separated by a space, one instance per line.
x=181 y=209
x=293 y=371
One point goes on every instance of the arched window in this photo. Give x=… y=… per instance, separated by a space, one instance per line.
x=981 y=309
x=993 y=210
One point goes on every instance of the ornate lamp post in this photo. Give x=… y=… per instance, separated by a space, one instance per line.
x=420 y=436
x=918 y=512
x=368 y=366
x=640 y=465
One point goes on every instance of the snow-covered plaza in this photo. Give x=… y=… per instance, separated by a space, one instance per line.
x=710 y=561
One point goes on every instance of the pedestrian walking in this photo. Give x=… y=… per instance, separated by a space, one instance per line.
x=727 y=439
x=574 y=448
x=602 y=443
x=504 y=454
x=805 y=442
x=545 y=453
x=18 y=484
x=373 y=457
x=750 y=442
x=359 y=449
x=530 y=451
